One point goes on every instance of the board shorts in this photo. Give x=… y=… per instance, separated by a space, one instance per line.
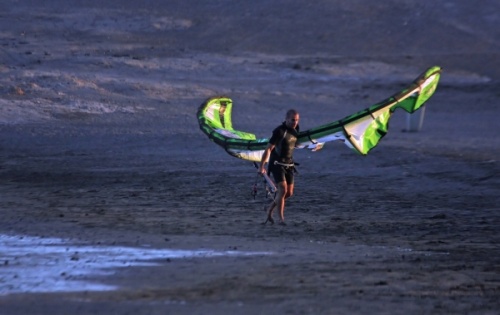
x=282 y=174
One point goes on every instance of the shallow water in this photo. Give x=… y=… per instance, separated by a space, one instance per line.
x=31 y=264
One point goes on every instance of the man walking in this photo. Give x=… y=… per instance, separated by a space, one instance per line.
x=279 y=152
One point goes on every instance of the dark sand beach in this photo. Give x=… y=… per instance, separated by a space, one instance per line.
x=105 y=175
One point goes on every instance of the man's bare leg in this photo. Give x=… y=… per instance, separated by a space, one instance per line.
x=280 y=200
x=280 y=196
x=281 y=206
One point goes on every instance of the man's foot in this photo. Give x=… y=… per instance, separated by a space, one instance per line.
x=282 y=223
x=270 y=220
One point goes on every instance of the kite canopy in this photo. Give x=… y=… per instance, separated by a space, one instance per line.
x=361 y=131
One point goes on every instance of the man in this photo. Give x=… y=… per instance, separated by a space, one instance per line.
x=279 y=152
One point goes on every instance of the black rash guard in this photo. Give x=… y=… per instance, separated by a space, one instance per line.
x=284 y=140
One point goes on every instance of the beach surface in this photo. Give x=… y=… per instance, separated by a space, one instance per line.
x=114 y=202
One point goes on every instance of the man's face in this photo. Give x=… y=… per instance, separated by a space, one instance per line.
x=292 y=121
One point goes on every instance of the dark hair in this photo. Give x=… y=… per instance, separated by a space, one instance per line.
x=291 y=112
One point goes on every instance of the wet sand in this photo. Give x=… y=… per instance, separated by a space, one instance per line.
x=100 y=148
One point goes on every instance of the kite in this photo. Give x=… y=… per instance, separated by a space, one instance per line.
x=361 y=131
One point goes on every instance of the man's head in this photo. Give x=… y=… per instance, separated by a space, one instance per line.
x=292 y=118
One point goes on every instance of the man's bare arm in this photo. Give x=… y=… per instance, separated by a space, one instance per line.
x=265 y=158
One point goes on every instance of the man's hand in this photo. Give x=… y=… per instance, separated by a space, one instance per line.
x=261 y=170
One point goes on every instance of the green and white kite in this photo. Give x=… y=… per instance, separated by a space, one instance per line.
x=361 y=131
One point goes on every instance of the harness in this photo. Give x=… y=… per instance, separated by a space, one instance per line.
x=284 y=164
